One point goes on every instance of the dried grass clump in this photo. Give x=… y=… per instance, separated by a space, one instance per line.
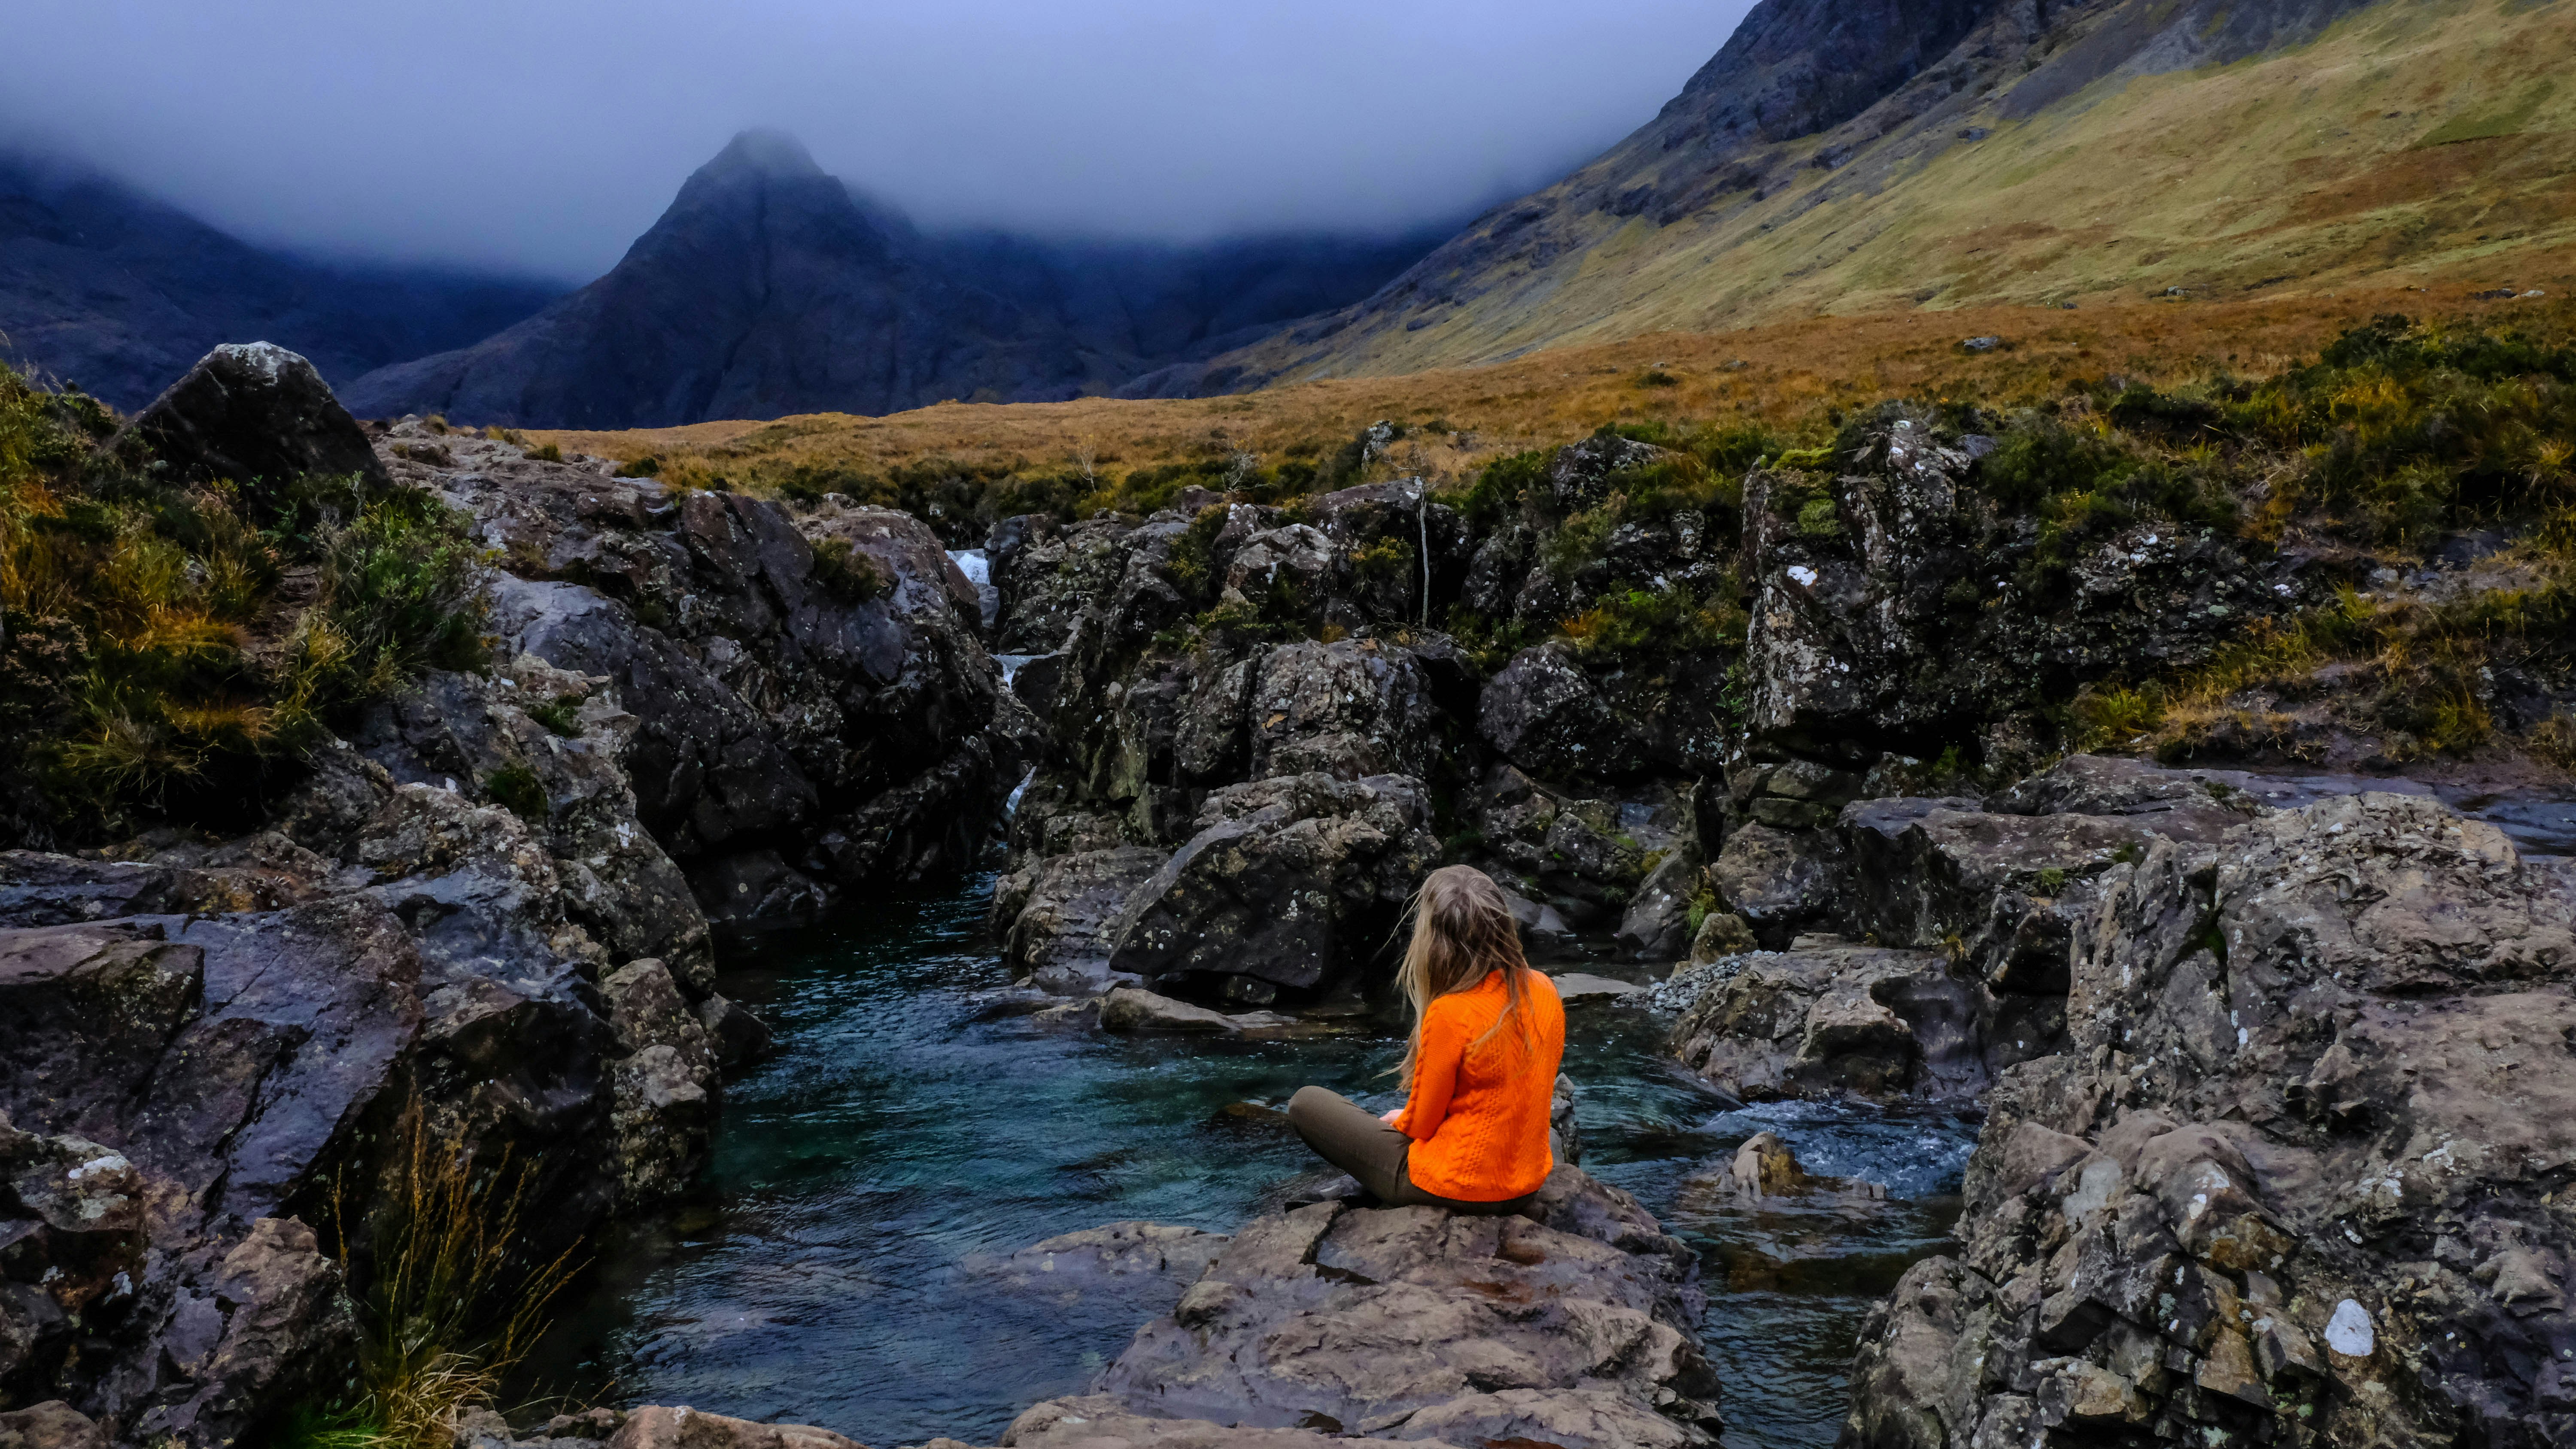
x=451 y=1299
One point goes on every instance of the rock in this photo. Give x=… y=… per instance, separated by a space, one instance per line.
x=2203 y=1217
x=1349 y=709
x=1544 y=714
x=1863 y=1020
x=253 y=414
x=666 y=1094
x=1657 y=925
x=474 y=731
x=1064 y=922
x=841 y=720
x=1544 y=934
x=1293 y=882
x=1723 y=933
x=1070 y=1265
x=49 y=1425
x=1131 y=1009
x=1579 y=475
x=1892 y=604
x=1331 y=1319
x=685 y=1428
x=1576 y=986
x=1283 y=573
x=1779 y=882
x=1047 y=581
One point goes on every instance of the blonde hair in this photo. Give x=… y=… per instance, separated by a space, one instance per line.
x=1462 y=931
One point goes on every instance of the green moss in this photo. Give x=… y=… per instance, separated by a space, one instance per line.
x=848 y=573
x=1819 y=519
x=560 y=715
x=515 y=788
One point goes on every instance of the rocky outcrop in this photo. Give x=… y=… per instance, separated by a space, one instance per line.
x=1891 y=605
x=1288 y=883
x=2295 y=1176
x=1571 y=1325
x=810 y=706
x=1831 y=1020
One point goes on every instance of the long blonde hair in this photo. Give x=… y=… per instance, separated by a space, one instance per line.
x=1462 y=931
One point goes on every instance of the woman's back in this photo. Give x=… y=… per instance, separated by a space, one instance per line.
x=1486 y=1094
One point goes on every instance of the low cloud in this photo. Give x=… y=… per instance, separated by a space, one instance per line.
x=545 y=135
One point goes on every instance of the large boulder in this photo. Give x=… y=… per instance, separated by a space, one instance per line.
x=1543 y=713
x=1289 y=883
x=250 y=413
x=1836 y=1020
x=1782 y=882
x=1571 y=1325
x=2294 y=1179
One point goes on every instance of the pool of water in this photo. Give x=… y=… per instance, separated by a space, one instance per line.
x=907 y=1132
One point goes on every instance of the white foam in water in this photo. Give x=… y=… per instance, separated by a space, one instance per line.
x=1012 y=664
x=1011 y=806
x=978 y=570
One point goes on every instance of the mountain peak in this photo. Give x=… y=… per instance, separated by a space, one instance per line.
x=764 y=152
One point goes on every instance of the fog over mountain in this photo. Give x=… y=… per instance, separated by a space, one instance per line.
x=546 y=138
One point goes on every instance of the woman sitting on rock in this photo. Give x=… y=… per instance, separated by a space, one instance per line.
x=1479 y=1072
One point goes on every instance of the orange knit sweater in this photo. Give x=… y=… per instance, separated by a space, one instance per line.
x=1478 y=1119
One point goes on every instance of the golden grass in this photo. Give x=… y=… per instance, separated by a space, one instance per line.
x=452 y=1303
x=1784 y=374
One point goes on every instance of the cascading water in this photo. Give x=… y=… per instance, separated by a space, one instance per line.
x=910 y=1131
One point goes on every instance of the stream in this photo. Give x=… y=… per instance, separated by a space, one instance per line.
x=906 y=1133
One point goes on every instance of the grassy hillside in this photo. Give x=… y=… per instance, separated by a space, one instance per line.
x=2419 y=142
x=1786 y=376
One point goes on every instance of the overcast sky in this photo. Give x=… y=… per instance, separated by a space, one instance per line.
x=544 y=134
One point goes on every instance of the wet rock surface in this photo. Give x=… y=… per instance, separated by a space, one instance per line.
x=1569 y=1325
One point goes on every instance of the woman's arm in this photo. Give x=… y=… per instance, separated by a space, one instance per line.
x=1435 y=1075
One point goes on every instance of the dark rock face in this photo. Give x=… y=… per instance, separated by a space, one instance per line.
x=465 y=910
x=249 y=413
x=2293 y=1177
x=782 y=738
x=1571 y=1325
x=1887 y=610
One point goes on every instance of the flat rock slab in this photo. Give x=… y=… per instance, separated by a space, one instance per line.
x=1576 y=986
x=1571 y=1325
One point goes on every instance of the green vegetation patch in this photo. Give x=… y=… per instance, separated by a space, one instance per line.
x=166 y=648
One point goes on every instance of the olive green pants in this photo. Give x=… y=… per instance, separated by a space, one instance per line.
x=1357 y=1141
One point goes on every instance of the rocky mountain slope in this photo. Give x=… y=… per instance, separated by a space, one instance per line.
x=120 y=294
x=769 y=287
x=1845 y=159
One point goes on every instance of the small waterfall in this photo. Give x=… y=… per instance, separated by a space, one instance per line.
x=978 y=570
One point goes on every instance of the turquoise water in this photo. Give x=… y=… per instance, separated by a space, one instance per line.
x=909 y=1128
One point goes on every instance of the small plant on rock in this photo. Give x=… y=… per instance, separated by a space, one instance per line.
x=848 y=573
